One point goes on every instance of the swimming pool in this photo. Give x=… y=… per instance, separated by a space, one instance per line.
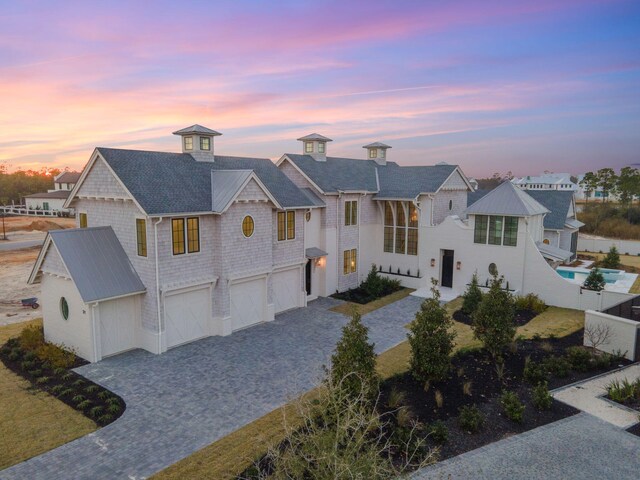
x=580 y=274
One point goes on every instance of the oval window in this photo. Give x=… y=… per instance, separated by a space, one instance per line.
x=247 y=226
x=450 y=204
x=64 y=308
x=493 y=269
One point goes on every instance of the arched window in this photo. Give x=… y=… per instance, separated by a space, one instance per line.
x=412 y=230
x=388 y=227
x=401 y=233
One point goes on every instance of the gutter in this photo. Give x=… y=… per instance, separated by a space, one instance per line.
x=155 y=239
x=93 y=325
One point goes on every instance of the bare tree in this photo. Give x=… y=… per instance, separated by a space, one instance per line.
x=598 y=334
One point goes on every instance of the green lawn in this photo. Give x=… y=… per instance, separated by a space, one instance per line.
x=230 y=455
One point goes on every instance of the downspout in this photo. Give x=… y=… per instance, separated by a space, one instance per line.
x=155 y=239
x=524 y=262
x=416 y=204
x=338 y=239
x=362 y=197
x=93 y=325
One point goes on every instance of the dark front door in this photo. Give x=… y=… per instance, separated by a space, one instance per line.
x=447 y=268
x=307 y=277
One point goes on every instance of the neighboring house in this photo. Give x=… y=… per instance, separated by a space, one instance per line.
x=53 y=200
x=547 y=181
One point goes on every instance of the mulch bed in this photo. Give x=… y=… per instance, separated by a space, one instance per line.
x=635 y=429
x=522 y=317
x=92 y=400
x=478 y=368
x=360 y=295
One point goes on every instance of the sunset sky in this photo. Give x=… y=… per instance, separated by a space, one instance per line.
x=489 y=85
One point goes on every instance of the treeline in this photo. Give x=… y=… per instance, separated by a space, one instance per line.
x=625 y=185
x=14 y=186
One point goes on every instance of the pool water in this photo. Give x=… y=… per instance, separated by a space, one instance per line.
x=610 y=275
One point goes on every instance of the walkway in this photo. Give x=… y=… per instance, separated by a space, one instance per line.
x=193 y=395
x=575 y=448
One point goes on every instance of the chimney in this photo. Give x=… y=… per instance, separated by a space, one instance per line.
x=377 y=152
x=315 y=145
x=198 y=141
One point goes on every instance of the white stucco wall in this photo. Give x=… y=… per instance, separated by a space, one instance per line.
x=623 y=333
x=38 y=203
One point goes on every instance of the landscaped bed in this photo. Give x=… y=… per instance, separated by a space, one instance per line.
x=372 y=288
x=49 y=368
x=626 y=393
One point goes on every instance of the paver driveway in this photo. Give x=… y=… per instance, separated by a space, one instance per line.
x=191 y=396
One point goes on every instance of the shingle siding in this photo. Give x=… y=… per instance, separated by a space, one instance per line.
x=441 y=210
x=100 y=182
x=53 y=264
x=288 y=251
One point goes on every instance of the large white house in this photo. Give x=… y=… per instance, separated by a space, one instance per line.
x=54 y=199
x=173 y=247
x=547 y=181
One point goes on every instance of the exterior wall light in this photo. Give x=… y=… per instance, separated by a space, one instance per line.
x=458 y=265
x=433 y=262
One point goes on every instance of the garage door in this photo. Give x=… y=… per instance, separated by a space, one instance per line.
x=248 y=302
x=187 y=316
x=117 y=325
x=286 y=289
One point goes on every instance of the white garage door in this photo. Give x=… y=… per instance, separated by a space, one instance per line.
x=286 y=289
x=248 y=303
x=117 y=325
x=187 y=316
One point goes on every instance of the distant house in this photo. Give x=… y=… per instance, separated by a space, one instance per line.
x=547 y=181
x=53 y=200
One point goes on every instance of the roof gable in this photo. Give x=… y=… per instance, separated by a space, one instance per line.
x=507 y=199
x=559 y=204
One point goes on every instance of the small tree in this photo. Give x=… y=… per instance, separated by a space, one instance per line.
x=493 y=323
x=431 y=340
x=612 y=260
x=353 y=363
x=373 y=284
x=595 y=280
x=472 y=297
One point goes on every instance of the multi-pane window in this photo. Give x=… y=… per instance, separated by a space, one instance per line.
x=496 y=230
x=141 y=236
x=351 y=212
x=383 y=153
x=412 y=230
x=185 y=233
x=205 y=143
x=401 y=232
x=373 y=152
x=496 y=223
x=188 y=143
x=286 y=225
x=388 y=227
x=82 y=217
x=321 y=147
x=308 y=147
x=350 y=261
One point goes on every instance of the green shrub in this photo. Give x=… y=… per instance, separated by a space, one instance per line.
x=113 y=408
x=540 y=397
x=534 y=372
x=431 y=340
x=602 y=361
x=66 y=392
x=42 y=380
x=31 y=338
x=612 y=259
x=439 y=432
x=104 y=419
x=27 y=364
x=36 y=372
x=112 y=401
x=579 y=358
x=92 y=388
x=470 y=418
x=78 y=398
x=623 y=391
x=56 y=356
x=530 y=302
x=594 y=281
x=78 y=383
x=373 y=284
x=96 y=411
x=472 y=296
x=512 y=406
x=557 y=366
x=30 y=356
x=83 y=404
x=57 y=389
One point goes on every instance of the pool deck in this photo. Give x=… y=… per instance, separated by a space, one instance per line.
x=623 y=285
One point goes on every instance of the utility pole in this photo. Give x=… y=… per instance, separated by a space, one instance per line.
x=4 y=233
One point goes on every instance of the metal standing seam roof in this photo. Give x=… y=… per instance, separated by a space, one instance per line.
x=97 y=263
x=507 y=199
x=553 y=253
x=573 y=223
x=55 y=194
x=168 y=183
x=315 y=252
x=197 y=129
x=315 y=137
x=224 y=186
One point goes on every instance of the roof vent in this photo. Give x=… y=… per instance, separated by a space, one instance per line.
x=315 y=145
x=377 y=152
x=198 y=141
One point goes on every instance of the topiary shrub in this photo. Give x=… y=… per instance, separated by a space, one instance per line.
x=472 y=296
x=512 y=407
x=431 y=340
x=540 y=397
x=470 y=418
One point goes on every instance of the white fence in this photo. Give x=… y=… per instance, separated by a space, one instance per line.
x=22 y=210
x=626 y=247
x=619 y=334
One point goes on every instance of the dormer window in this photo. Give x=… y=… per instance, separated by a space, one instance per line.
x=308 y=147
x=320 y=147
x=205 y=143
x=188 y=143
x=383 y=153
x=373 y=152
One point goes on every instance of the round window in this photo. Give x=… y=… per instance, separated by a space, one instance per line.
x=450 y=204
x=247 y=226
x=493 y=269
x=307 y=216
x=64 y=308
x=546 y=241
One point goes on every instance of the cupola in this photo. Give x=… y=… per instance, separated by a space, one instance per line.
x=198 y=141
x=377 y=152
x=315 y=145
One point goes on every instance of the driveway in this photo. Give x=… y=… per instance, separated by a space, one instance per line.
x=575 y=448
x=193 y=395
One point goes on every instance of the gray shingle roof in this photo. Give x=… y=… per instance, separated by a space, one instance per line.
x=224 y=186
x=166 y=183
x=197 y=129
x=315 y=136
x=68 y=177
x=54 y=194
x=313 y=198
x=350 y=174
x=557 y=202
x=473 y=197
x=97 y=263
x=507 y=199
x=553 y=253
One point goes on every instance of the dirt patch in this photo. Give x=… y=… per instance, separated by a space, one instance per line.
x=15 y=268
x=29 y=224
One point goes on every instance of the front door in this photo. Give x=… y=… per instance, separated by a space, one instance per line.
x=447 y=268
x=307 y=277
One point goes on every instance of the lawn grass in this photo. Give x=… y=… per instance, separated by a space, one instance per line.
x=631 y=260
x=347 y=308
x=232 y=454
x=32 y=422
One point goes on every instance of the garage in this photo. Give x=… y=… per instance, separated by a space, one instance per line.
x=117 y=325
x=248 y=302
x=187 y=314
x=287 y=288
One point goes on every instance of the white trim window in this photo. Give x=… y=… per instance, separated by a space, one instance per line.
x=349 y=261
x=400 y=228
x=308 y=147
x=351 y=212
x=286 y=225
x=205 y=143
x=188 y=143
x=185 y=235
